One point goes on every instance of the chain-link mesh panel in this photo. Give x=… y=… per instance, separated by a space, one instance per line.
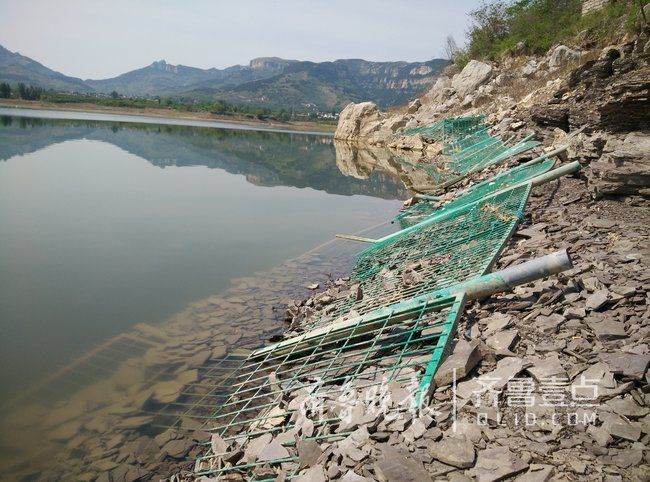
x=511 y=177
x=277 y=387
x=430 y=257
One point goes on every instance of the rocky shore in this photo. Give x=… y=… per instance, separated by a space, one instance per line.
x=596 y=100
x=587 y=330
x=548 y=382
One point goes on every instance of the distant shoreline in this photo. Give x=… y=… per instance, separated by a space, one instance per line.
x=169 y=114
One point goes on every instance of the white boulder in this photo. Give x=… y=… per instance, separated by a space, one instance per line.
x=561 y=57
x=471 y=77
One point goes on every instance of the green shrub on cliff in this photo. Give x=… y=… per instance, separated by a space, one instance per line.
x=498 y=26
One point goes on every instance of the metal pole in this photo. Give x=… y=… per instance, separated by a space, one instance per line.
x=508 y=278
x=555 y=173
x=480 y=287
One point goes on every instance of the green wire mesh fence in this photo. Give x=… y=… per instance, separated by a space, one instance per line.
x=479 y=156
x=427 y=258
x=511 y=177
x=392 y=327
x=301 y=390
x=450 y=129
x=492 y=151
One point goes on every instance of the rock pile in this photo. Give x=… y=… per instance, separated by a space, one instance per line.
x=549 y=382
x=565 y=361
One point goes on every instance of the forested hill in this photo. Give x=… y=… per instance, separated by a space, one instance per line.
x=267 y=82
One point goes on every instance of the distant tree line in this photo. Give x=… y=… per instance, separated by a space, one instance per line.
x=23 y=91
x=216 y=107
x=5 y=90
x=114 y=99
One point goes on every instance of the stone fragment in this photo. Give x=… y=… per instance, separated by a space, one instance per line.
x=536 y=473
x=396 y=467
x=333 y=471
x=496 y=322
x=562 y=56
x=274 y=417
x=627 y=364
x=547 y=367
x=549 y=324
x=314 y=474
x=578 y=466
x=597 y=300
x=623 y=170
x=467 y=430
x=219 y=445
x=351 y=476
x=627 y=407
x=308 y=452
x=454 y=451
x=503 y=340
x=506 y=369
x=497 y=464
x=415 y=431
x=625 y=291
x=168 y=391
x=273 y=451
x=600 y=435
x=609 y=329
x=414 y=106
x=134 y=422
x=618 y=427
x=627 y=457
x=178 y=448
x=462 y=360
x=574 y=313
x=474 y=74
x=256 y=445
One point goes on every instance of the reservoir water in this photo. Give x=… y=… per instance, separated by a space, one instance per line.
x=124 y=239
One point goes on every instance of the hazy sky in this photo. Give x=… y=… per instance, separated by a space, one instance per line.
x=99 y=39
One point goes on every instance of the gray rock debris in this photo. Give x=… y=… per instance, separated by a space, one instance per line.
x=497 y=463
x=463 y=359
x=454 y=451
x=474 y=74
x=395 y=466
x=562 y=56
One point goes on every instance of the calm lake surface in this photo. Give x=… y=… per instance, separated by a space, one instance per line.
x=135 y=255
x=106 y=224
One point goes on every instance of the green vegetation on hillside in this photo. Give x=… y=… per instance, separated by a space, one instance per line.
x=5 y=90
x=499 y=25
x=218 y=107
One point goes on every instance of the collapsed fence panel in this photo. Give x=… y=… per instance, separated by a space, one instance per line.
x=429 y=257
x=298 y=389
x=491 y=153
x=511 y=177
x=450 y=129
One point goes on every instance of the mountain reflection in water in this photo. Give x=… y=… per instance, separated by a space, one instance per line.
x=128 y=249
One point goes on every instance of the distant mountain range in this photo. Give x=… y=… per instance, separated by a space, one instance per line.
x=267 y=81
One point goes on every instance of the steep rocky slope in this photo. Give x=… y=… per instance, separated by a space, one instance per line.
x=597 y=101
